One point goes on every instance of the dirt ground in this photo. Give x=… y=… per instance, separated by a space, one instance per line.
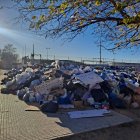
x=130 y=131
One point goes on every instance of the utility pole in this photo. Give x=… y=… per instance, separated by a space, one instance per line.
x=100 y=44
x=54 y=57
x=47 y=52
x=25 y=50
x=33 y=51
x=40 y=58
x=114 y=58
x=100 y=51
x=32 y=55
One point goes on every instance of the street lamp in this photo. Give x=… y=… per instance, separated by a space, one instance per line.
x=47 y=52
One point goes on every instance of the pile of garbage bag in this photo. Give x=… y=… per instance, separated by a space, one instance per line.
x=73 y=86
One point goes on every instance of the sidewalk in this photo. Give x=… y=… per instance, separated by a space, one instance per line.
x=18 y=124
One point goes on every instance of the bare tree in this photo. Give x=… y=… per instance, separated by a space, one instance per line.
x=55 y=18
x=8 y=55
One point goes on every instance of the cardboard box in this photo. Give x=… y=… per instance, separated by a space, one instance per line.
x=78 y=104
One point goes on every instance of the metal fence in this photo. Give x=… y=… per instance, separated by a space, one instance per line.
x=92 y=60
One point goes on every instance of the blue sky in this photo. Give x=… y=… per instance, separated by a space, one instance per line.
x=84 y=46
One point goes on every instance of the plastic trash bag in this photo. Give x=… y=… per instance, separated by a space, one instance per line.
x=50 y=107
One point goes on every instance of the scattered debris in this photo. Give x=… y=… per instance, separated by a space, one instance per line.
x=63 y=85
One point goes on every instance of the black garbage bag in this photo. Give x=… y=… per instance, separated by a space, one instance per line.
x=50 y=107
x=115 y=101
x=20 y=94
x=4 y=91
x=59 y=73
x=105 y=86
x=98 y=95
x=26 y=97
